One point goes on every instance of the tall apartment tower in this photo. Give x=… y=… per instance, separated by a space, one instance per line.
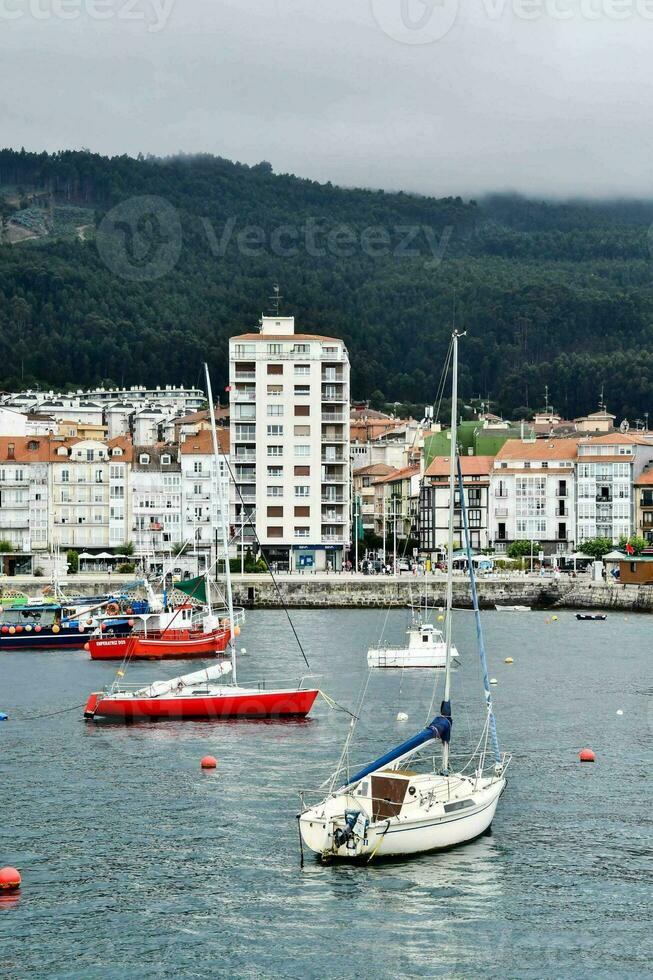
x=289 y=396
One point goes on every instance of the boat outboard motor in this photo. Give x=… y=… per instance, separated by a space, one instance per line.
x=344 y=834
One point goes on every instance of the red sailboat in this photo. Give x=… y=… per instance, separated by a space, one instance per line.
x=198 y=696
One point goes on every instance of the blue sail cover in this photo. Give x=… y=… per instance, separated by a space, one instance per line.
x=440 y=728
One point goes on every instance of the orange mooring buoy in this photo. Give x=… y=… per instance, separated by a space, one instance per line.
x=9 y=879
x=209 y=762
x=586 y=755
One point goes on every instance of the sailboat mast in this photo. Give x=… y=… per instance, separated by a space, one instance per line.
x=452 y=485
x=223 y=522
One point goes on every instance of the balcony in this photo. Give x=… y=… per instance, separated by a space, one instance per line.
x=245 y=455
x=333 y=539
x=603 y=498
x=333 y=417
x=501 y=492
x=244 y=395
x=336 y=459
x=500 y=511
x=245 y=475
x=333 y=518
x=327 y=440
x=335 y=499
x=334 y=396
x=561 y=494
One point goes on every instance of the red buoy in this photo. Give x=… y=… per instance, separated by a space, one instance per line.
x=209 y=762
x=586 y=755
x=9 y=879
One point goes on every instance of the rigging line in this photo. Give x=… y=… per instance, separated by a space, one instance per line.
x=335 y=706
x=267 y=564
x=477 y=617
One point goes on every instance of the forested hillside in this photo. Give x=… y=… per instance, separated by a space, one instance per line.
x=92 y=289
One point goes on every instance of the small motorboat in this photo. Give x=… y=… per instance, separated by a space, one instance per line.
x=426 y=648
x=198 y=696
x=591 y=617
x=502 y=608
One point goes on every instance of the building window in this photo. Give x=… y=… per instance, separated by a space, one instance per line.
x=275 y=450
x=241 y=349
x=302 y=391
x=275 y=409
x=197 y=466
x=144 y=459
x=302 y=430
x=275 y=430
x=302 y=449
x=302 y=490
x=273 y=491
x=301 y=349
x=302 y=471
x=166 y=459
x=275 y=390
x=302 y=370
x=302 y=409
x=275 y=368
x=302 y=511
x=275 y=532
x=275 y=472
x=275 y=511
x=275 y=348
x=302 y=532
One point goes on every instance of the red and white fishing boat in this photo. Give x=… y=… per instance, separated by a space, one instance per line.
x=156 y=637
x=198 y=696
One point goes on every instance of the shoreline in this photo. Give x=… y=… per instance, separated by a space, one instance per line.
x=350 y=591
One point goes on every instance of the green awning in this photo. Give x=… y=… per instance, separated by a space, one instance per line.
x=195 y=588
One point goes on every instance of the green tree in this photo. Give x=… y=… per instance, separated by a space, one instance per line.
x=126 y=549
x=6 y=546
x=596 y=547
x=523 y=549
x=72 y=557
x=637 y=544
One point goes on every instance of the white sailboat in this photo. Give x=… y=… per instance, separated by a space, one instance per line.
x=386 y=809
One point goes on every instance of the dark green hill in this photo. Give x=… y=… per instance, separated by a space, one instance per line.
x=95 y=289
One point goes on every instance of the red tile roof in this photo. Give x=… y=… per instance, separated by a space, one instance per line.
x=202 y=443
x=470 y=465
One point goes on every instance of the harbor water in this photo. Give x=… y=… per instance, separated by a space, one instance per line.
x=136 y=863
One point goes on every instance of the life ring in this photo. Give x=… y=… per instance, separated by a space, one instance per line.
x=113 y=609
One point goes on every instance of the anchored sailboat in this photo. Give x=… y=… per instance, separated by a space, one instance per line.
x=385 y=809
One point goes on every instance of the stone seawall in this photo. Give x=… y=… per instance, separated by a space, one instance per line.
x=367 y=592
x=342 y=593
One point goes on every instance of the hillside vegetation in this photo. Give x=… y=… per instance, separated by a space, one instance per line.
x=93 y=289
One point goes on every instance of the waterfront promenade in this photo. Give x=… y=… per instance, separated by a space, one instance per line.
x=348 y=590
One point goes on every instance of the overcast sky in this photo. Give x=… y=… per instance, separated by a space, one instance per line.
x=436 y=96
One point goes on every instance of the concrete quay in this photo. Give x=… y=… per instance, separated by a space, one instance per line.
x=350 y=591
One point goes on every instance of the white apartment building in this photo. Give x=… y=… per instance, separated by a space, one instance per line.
x=90 y=493
x=156 y=499
x=200 y=496
x=532 y=494
x=606 y=469
x=24 y=492
x=434 y=504
x=289 y=397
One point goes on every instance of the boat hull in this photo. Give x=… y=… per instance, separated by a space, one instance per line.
x=240 y=704
x=435 y=656
x=145 y=648
x=73 y=640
